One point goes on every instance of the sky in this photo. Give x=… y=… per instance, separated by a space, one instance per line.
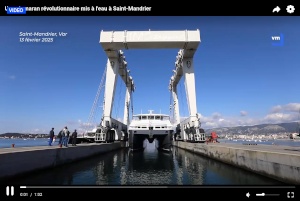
x=241 y=77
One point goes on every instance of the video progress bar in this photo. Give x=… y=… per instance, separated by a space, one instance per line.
x=239 y=187
x=56 y=187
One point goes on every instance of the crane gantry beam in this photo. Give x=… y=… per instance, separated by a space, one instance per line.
x=118 y=40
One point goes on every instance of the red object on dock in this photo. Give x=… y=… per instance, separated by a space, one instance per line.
x=214 y=135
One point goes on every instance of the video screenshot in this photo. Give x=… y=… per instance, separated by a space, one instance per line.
x=134 y=99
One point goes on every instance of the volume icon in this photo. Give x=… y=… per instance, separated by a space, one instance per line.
x=10 y=191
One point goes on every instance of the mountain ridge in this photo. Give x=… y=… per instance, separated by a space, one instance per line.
x=260 y=129
x=23 y=135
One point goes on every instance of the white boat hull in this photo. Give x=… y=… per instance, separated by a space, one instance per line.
x=149 y=127
x=150 y=132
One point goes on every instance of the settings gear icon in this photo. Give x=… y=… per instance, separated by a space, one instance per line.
x=290 y=8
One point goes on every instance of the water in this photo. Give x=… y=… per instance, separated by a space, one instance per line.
x=280 y=142
x=123 y=167
x=6 y=143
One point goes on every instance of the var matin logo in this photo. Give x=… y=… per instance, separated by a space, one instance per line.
x=15 y=10
x=277 y=40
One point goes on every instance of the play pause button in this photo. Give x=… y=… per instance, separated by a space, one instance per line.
x=10 y=190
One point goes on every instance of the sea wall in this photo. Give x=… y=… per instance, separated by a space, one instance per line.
x=274 y=162
x=18 y=161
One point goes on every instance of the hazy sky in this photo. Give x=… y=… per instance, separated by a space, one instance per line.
x=241 y=78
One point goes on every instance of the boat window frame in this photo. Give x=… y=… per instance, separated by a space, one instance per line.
x=158 y=117
x=166 y=118
x=136 y=118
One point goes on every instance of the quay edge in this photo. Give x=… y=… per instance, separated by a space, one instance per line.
x=281 y=163
x=19 y=161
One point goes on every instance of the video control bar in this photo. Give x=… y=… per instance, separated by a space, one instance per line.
x=218 y=192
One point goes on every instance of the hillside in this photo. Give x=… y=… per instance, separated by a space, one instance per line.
x=23 y=135
x=262 y=129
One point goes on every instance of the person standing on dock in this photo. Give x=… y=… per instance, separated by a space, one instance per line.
x=74 y=137
x=66 y=136
x=60 y=137
x=51 y=136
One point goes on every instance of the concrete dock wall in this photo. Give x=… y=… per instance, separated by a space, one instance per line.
x=18 y=161
x=274 y=162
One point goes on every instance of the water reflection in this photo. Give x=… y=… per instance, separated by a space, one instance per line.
x=189 y=170
x=150 y=167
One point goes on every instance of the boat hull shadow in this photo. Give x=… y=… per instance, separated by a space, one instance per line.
x=163 y=142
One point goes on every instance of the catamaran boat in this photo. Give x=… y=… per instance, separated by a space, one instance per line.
x=150 y=126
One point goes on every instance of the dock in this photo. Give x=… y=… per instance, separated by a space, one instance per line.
x=18 y=161
x=277 y=162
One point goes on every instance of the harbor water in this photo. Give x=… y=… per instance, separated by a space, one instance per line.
x=29 y=142
x=151 y=167
x=278 y=142
x=25 y=142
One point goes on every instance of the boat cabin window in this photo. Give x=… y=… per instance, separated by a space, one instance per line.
x=158 y=117
x=136 y=118
x=151 y=117
x=144 y=117
x=166 y=118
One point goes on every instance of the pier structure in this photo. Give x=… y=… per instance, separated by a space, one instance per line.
x=277 y=162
